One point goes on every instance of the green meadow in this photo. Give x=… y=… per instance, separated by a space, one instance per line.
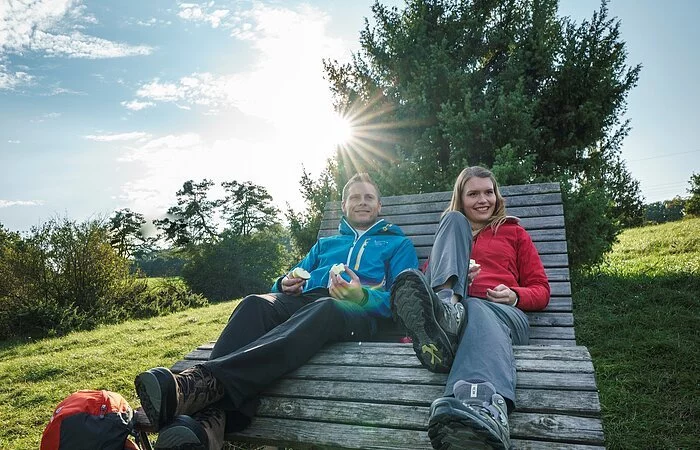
x=637 y=312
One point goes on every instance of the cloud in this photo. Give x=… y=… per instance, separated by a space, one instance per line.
x=136 y=105
x=165 y=162
x=79 y=45
x=8 y=203
x=45 y=117
x=10 y=80
x=133 y=136
x=284 y=85
x=52 y=28
x=13 y=141
x=203 y=13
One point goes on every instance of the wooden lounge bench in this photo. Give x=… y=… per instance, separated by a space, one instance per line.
x=377 y=395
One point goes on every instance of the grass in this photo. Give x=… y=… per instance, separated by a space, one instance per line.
x=638 y=313
x=38 y=375
x=157 y=281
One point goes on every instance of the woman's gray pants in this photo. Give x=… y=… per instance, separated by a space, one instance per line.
x=485 y=351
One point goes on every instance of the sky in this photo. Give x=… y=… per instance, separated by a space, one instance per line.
x=109 y=105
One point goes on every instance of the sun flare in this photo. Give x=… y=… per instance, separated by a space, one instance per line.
x=338 y=131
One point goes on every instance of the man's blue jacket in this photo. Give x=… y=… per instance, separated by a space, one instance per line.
x=377 y=256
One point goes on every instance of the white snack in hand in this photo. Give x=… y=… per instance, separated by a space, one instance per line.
x=300 y=272
x=337 y=269
x=473 y=263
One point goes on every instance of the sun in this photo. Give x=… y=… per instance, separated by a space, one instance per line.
x=337 y=131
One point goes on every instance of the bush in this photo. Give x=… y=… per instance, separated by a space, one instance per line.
x=66 y=276
x=666 y=211
x=589 y=233
x=237 y=265
x=160 y=263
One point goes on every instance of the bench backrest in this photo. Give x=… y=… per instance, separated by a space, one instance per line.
x=540 y=208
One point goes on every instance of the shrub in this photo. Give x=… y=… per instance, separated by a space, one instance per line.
x=66 y=276
x=237 y=265
x=590 y=234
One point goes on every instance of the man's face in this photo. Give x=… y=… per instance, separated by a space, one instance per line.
x=362 y=205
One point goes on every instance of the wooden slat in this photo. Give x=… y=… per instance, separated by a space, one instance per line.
x=330 y=402
x=556 y=427
x=413 y=224
x=567 y=433
x=552 y=333
x=289 y=433
x=418 y=212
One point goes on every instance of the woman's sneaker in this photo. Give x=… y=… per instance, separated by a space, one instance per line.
x=476 y=417
x=432 y=324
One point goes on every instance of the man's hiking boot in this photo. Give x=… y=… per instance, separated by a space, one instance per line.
x=203 y=431
x=432 y=324
x=165 y=395
x=476 y=417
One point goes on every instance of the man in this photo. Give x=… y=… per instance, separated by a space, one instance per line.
x=269 y=335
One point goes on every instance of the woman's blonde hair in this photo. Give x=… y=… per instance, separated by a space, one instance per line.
x=499 y=213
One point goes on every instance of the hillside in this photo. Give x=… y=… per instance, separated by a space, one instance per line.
x=637 y=312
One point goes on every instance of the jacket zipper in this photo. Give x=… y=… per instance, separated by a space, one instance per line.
x=359 y=254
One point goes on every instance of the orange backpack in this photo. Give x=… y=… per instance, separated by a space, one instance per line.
x=92 y=420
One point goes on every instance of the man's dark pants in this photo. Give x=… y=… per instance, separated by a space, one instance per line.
x=270 y=335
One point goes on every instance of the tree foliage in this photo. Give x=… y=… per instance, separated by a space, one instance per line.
x=692 y=205
x=665 y=211
x=66 y=276
x=304 y=226
x=237 y=265
x=191 y=221
x=247 y=208
x=126 y=235
x=231 y=246
x=444 y=84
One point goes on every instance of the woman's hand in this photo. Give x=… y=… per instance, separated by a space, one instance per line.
x=346 y=290
x=501 y=294
x=474 y=270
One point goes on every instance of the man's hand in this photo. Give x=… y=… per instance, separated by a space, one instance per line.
x=501 y=294
x=344 y=290
x=292 y=285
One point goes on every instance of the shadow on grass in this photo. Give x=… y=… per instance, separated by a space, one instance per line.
x=642 y=333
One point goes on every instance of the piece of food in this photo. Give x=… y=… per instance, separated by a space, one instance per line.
x=299 y=272
x=473 y=263
x=337 y=269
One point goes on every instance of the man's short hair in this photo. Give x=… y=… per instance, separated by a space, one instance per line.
x=362 y=177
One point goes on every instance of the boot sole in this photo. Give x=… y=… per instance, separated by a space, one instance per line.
x=184 y=433
x=412 y=306
x=157 y=391
x=451 y=427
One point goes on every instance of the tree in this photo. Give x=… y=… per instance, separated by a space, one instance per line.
x=444 y=84
x=304 y=226
x=237 y=265
x=126 y=235
x=247 y=208
x=191 y=222
x=692 y=205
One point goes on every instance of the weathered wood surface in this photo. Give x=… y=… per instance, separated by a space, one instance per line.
x=377 y=395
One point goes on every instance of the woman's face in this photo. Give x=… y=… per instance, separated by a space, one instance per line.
x=478 y=201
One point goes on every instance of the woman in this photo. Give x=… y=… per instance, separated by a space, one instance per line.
x=465 y=320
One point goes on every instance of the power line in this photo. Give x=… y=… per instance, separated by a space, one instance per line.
x=663 y=156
